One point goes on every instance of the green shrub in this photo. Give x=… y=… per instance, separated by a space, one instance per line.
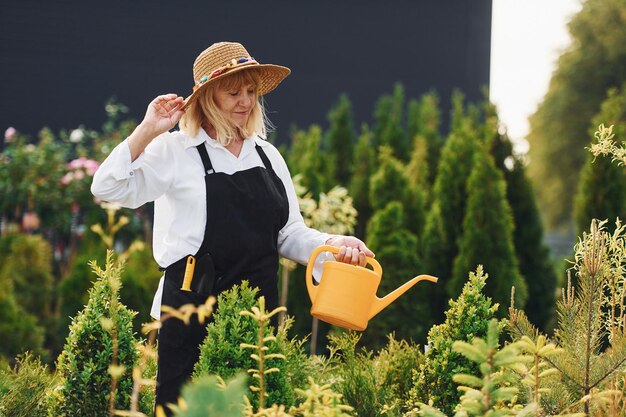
x=364 y=381
x=27 y=261
x=210 y=396
x=25 y=389
x=19 y=331
x=222 y=354
x=467 y=317
x=25 y=293
x=100 y=335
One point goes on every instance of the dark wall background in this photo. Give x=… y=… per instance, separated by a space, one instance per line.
x=60 y=61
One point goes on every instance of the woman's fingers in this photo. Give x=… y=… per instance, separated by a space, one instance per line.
x=351 y=256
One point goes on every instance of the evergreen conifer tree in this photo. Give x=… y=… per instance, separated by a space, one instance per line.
x=602 y=186
x=101 y=335
x=424 y=120
x=487 y=237
x=389 y=126
x=306 y=158
x=432 y=246
x=341 y=138
x=467 y=317
x=396 y=250
x=532 y=253
x=364 y=167
x=418 y=168
x=449 y=196
x=390 y=183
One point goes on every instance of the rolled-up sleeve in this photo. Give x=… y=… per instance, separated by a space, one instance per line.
x=134 y=183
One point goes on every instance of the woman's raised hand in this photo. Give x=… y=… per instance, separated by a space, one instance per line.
x=163 y=113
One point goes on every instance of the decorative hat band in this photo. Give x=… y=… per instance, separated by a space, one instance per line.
x=235 y=62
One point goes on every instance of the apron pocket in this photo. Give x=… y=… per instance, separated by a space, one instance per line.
x=174 y=332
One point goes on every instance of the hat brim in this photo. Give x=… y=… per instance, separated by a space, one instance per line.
x=270 y=76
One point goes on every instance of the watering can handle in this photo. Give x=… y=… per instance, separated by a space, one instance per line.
x=312 y=288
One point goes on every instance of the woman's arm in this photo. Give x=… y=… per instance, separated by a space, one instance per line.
x=129 y=180
x=296 y=241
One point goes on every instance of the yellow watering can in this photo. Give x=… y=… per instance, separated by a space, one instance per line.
x=346 y=295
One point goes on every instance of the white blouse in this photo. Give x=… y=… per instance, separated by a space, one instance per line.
x=170 y=173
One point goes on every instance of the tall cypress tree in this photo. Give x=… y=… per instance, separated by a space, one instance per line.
x=532 y=253
x=340 y=139
x=432 y=247
x=396 y=250
x=424 y=120
x=487 y=237
x=602 y=187
x=449 y=196
x=389 y=123
x=305 y=157
x=359 y=183
x=390 y=183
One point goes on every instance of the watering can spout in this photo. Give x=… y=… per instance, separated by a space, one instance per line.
x=380 y=303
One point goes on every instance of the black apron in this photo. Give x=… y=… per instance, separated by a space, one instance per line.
x=245 y=212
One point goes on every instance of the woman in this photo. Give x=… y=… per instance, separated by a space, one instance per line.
x=235 y=220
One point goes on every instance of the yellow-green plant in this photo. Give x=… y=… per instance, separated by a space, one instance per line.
x=467 y=317
x=27 y=388
x=493 y=393
x=221 y=352
x=262 y=317
x=590 y=331
x=99 y=352
x=607 y=146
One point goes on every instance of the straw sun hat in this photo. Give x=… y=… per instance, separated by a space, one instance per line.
x=224 y=58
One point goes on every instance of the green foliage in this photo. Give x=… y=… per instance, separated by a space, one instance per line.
x=262 y=318
x=222 y=354
x=591 y=312
x=139 y=283
x=450 y=197
x=389 y=123
x=602 y=186
x=340 y=139
x=364 y=381
x=418 y=170
x=101 y=335
x=467 y=317
x=25 y=293
x=492 y=394
x=359 y=184
x=595 y=62
x=493 y=391
x=590 y=331
x=25 y=390
x=391 y=183
x=433 y=245
x=26 y=261
x=531 y=252
x=396 y=249
x=424 y=119
x=487 y=237
x=601 y=192
x=210 y=396
x=305 y=158
x=30 y=175
x=397 y=362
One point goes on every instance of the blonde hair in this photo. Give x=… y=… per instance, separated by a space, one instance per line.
x=204 y=112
